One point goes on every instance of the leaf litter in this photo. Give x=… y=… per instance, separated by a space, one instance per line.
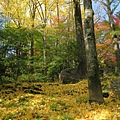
x=53 y=101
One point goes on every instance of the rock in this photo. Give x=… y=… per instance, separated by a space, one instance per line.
x=68 y=76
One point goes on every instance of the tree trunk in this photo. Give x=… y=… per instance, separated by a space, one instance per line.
x=94 y=84
x=80 y=40
x=31 y=51
x=110 y=13
x=57 y=11
x=45 y=52
x=117 y=52
x=33 y=12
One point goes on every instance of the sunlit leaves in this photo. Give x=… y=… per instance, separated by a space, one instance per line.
x=59 y=102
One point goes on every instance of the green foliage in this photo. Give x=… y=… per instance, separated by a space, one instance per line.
x=61 y=52
x=6 y=79
x=15 y=60
x=14 y=51
x=36 y=77
x=65 y=55
x=55 y=67
x=2 y=67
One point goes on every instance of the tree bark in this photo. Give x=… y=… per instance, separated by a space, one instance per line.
x=94 y=84
x=32 y=51
x=117 y=52
x=80 y=40
x=33 y=12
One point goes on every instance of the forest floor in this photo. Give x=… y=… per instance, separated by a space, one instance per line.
x=53 y=101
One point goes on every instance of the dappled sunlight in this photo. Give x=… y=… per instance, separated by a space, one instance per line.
x=59 y=102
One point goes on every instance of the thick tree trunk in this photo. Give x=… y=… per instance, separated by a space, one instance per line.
x=80 y=40
x=94 y=84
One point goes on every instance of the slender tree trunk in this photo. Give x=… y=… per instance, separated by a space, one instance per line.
x=117 y=53
x=110 y=13
x=80 y=40
x=32 y=42
x=33 y=11
x=45 y=53
x=32 y=51
x=94 y=84
x=57 y=11
x=44 y=39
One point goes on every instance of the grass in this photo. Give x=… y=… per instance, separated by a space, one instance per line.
x=58 y=102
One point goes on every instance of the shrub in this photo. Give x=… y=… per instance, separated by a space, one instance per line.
x=36 y=77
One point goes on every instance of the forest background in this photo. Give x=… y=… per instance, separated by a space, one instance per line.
x=39 y=36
